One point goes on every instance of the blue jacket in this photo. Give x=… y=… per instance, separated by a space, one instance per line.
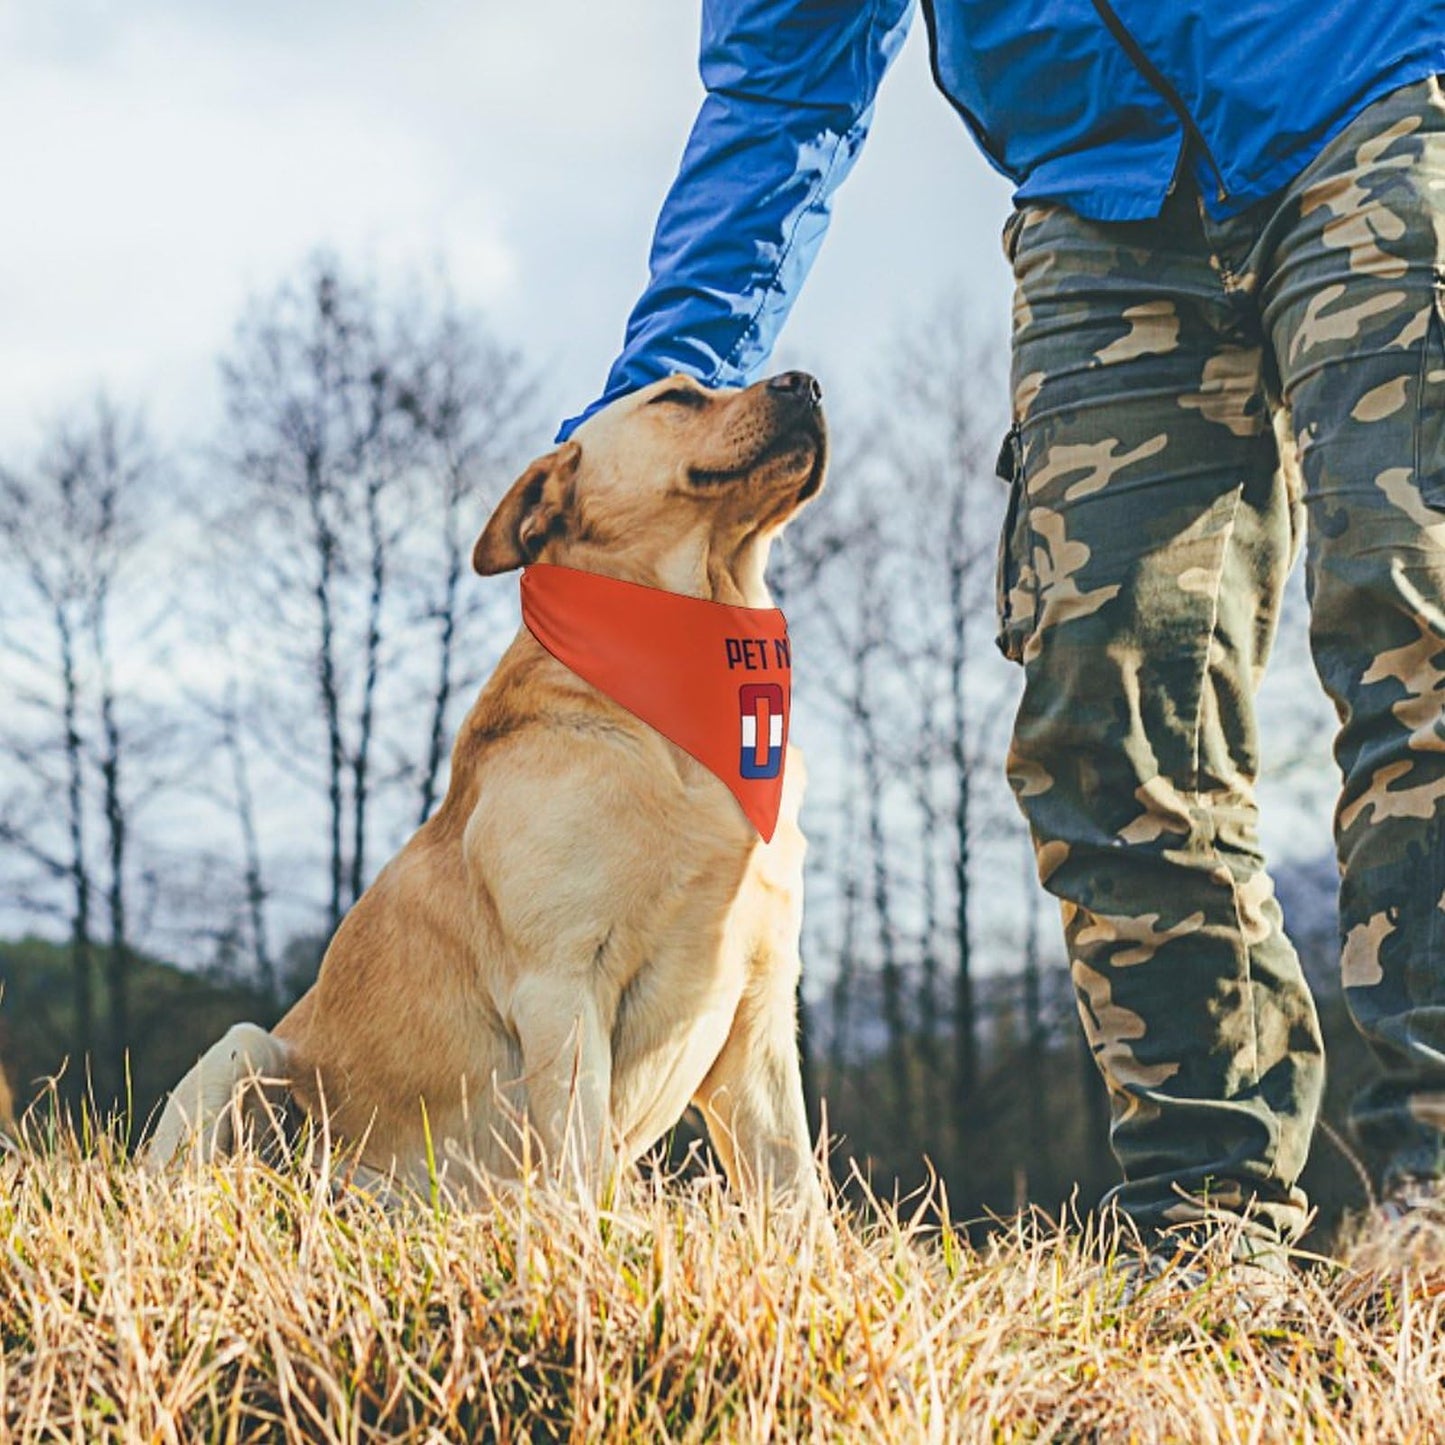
x=1097 y=104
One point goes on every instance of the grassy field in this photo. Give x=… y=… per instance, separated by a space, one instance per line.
x=240 y=1303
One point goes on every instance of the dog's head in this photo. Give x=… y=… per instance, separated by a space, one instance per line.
x=675 y=486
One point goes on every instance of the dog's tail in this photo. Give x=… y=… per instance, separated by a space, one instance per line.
x=239 y=1086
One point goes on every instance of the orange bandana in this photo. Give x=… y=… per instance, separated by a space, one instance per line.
x=711 y=678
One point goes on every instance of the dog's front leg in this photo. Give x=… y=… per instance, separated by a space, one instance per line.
x=567 y=1055
x=752 y=1099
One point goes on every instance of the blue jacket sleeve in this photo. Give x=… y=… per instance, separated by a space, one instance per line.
x=790 y=90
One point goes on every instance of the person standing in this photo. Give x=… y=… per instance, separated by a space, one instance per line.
x=1225 y=216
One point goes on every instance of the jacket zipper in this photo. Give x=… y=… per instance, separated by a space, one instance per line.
x=975 y=126
x=1155 y=77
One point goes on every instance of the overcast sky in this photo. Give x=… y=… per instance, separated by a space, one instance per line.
x=162 y=159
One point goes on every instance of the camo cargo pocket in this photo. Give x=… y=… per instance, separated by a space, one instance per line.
x=1015 y=588
x=1430 y=410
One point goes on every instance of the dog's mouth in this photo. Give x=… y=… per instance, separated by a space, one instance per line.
x=807 y=443
x=813 y=484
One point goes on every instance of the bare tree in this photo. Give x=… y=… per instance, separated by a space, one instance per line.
x=119 y=463
x=942 y=440
x=900 y=606
x=472 y=401
x=855 y=625
x=365 y=432
x=862 y=703
x=254 y=874
x=846 y=963
x=72 y=524
x=316 y=443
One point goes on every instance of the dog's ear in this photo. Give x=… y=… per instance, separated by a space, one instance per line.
x=534 y=510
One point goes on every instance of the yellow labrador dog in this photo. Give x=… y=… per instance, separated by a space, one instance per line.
x=588 y=935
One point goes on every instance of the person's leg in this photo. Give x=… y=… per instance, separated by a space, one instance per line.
x=1142 y=581
x=1355 y=305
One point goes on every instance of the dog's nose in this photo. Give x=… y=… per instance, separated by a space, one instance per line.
x=797 y=384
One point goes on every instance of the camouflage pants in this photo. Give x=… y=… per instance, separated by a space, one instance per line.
x=1150 y=533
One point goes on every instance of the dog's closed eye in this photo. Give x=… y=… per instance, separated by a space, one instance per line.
x=680 y=396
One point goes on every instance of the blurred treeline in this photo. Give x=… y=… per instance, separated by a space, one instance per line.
x=232 y=671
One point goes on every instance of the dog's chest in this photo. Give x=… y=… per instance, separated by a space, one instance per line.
x=676 y=1007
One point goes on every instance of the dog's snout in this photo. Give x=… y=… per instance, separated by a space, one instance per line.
x=798 y=385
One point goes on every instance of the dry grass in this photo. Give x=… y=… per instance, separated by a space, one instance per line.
x=248 y=1303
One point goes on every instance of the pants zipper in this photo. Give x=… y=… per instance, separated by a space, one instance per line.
x=1172 y=98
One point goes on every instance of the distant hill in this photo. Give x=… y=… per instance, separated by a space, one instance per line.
x=174 y=1016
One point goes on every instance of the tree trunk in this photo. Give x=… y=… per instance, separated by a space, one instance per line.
x=118 y=958
x=327 y=682
x=895 y=1013
x=928 y=973
x=446 y=642
x=254 y=876
x=965 y=1023
x=361 y=761
x=82 y=993
x=843 y=979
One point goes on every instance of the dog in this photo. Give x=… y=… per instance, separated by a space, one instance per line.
x=588 y=935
